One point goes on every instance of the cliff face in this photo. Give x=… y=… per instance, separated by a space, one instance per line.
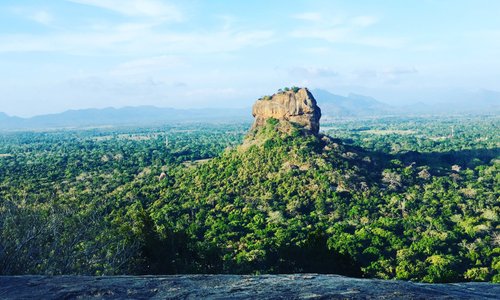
x=296 y=107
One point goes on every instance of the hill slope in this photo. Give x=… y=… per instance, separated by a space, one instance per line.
x=288 y=200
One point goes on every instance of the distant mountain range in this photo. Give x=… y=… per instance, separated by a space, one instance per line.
x=137 y=115
x=332 y=106
x=354 y=105
x=458 y=102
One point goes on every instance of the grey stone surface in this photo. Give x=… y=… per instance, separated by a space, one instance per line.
x=295 y=286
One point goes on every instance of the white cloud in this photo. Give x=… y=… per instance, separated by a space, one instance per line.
x=391 y=75
x=147 y=65
x=400 y=71
x=332 y=35
x=427 y=47
x=136 y=39
x=364 y=21
x=313 y=72
x=317 y=50
x=309 y=16
x=484 y=34
x=146 y=8
x=381 y=42
x=228 y=21
x=144 y=35
x=346 y=30
x=219 y=92
x=42 y=17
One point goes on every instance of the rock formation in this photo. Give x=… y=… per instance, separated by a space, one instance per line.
x=297 y=106
x=292 y=286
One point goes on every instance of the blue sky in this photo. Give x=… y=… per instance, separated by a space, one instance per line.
x=57 y=55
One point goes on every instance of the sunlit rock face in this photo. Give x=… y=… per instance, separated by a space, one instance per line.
x=298 y=107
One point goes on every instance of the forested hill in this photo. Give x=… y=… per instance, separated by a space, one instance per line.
x=292 y=200
x=288 y=202
x=286 y=199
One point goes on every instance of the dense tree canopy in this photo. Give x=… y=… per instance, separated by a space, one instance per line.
x=388 y=198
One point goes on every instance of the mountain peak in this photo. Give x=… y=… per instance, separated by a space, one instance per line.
x=295 y=105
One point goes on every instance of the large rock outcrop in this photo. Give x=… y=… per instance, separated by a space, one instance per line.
x=296 y=106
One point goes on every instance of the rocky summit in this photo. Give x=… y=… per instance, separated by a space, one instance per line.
x=296 y=106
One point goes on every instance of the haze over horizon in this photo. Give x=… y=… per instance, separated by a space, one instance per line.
x=73 y=54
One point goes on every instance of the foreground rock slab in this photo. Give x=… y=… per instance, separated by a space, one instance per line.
x=298 y=286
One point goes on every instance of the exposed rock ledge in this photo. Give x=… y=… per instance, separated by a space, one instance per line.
x=298 y=286
x=297 y=107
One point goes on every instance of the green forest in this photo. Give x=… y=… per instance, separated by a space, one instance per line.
x=409 y=198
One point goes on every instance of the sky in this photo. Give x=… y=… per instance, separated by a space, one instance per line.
x=57 y=55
